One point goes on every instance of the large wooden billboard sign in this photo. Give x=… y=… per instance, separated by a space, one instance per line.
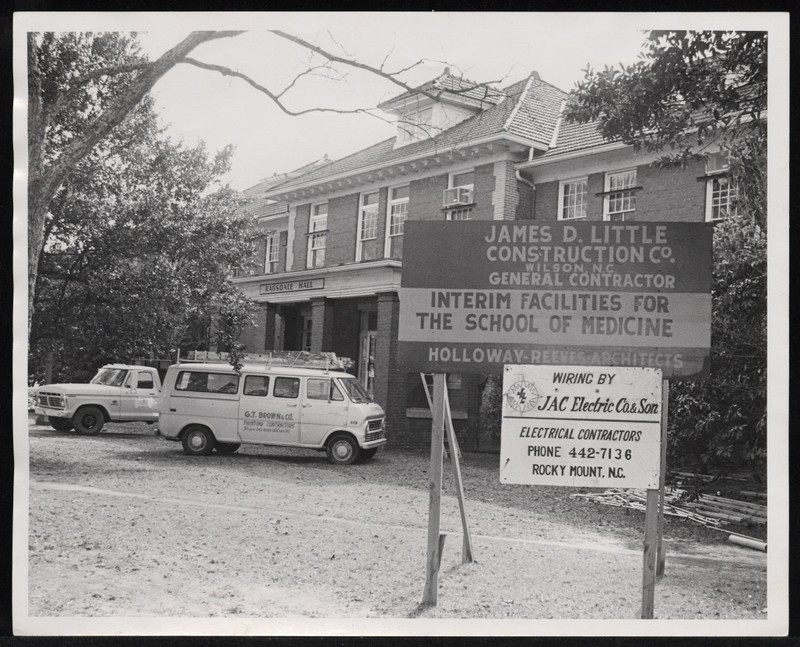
x=477 y=295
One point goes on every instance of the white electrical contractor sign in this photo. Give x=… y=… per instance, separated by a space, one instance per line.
x=581 y=426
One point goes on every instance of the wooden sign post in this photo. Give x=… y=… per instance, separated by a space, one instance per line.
x=430 y=594
x=662 y=553
x=654 y=552
x=649 y=565
x=442 y=420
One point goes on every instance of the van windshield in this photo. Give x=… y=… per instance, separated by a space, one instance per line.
x=354 y=390
x=110 y=376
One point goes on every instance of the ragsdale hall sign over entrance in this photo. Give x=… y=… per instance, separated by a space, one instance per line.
x=477 y=295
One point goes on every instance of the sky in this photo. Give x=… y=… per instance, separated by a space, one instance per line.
x=200 y=104
x=203 y=105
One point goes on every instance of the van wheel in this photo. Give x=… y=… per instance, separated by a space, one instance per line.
x=88 y=421
x=60 y=424
x=198 y=441
x=366 y=454
x=227 y=448
x=343 y=449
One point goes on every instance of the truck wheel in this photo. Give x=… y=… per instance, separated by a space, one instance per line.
x=366 y=454
x=60 y=424
x=198 y=441
x=88 y=421
x=342 y=449
x=227 y=448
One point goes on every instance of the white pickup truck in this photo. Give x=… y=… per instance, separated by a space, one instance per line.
x=118 y=393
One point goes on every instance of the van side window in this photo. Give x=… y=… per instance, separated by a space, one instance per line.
x=145 y=381
x=286 y=387
x=206 y=382
x=322 y=389
x=256 y=385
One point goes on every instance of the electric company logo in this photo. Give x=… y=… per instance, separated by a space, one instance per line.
x=522 y=395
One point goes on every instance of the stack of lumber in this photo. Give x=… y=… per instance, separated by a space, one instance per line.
x=707 y=510
x=637 y=500
x=729 y=510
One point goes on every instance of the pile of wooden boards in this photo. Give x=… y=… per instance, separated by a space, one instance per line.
x=707 y=510
x=729 y=510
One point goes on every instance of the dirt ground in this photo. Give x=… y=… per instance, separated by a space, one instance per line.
x=124 y=524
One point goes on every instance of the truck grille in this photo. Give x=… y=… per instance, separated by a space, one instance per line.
x=374 y=430
x=51 y=401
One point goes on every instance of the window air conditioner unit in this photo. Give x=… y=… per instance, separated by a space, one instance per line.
x=457 y=195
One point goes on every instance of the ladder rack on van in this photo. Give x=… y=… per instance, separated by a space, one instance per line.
x=295 y=358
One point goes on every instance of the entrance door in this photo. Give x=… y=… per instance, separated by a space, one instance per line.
x=366 y=364
x=269 y=410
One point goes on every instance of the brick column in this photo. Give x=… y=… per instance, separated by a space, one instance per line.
x=389 y=386
x=252 y=336
x=321 y=324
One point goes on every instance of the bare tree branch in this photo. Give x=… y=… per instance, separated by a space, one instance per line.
x=306 y=72
x=275 y=97
x=352 y=63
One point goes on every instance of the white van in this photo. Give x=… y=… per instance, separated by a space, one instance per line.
x=209 y=406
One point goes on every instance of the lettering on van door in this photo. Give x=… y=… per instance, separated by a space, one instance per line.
x=268 y=422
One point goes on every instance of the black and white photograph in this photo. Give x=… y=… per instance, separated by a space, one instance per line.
x=400 y=324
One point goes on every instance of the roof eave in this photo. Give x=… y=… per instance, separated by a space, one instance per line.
x=490 y=139
x=603 y=148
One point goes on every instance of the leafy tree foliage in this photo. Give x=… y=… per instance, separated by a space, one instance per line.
x=138 y=240
x=690 y=94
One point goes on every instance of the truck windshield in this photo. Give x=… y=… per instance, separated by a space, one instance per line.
x=354 y=390
x=110 y=376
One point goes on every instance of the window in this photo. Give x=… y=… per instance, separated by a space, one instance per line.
x=144 y=381
x=206 y=382
x=272 y=253
x=720 y=195
x=367 y=244
x=720 y=191
x=322 y=389
x=459 y=214
x=354 y=390
x=306 y=324
x=396 y=216
x=463 y=180
x=414 y=126
x=572 y=199
x=110 y=376
x=317 y=235
x=256 y=385
x=620 y=198
x=286 y=387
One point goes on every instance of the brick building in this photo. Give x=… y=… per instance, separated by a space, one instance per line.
x=331 y=257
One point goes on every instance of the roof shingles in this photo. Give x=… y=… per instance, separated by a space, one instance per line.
x=535 y=120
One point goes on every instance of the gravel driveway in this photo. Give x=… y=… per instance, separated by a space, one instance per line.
x=124 y=524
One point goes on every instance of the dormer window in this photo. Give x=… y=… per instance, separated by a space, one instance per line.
x=415 y=126
x=438 y=105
